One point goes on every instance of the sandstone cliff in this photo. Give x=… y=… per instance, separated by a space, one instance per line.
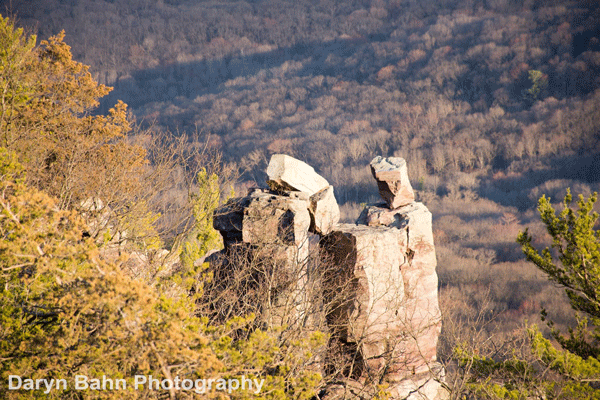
x=377 y=277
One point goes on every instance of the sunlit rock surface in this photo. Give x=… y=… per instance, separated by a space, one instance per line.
x=324 y=211
x=378 y=276
x=288 y=173
x=391 y=175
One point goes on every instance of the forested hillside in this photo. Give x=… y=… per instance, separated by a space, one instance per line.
x=456 y=86
x=493 y=103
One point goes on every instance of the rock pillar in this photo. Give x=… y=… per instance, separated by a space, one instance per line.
x=388 y=313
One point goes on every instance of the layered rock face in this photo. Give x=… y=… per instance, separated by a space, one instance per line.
x=378 y=276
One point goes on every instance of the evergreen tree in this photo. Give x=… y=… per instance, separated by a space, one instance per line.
x=576 y=241
x=571 y=370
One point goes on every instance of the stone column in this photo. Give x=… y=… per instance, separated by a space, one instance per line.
x=388 y=313
x=364 y=291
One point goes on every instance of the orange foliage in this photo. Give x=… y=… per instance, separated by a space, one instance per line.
x=246 y=124
x=385 y=73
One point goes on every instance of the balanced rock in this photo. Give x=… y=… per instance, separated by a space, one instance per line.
x=324 y=211
x=392 y=180
x=287 y=173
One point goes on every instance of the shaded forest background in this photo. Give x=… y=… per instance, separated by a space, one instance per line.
x=492 y=103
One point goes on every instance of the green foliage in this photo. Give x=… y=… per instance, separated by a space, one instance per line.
x=577 y=245
x=10 y=168
x=138 y=224
x=282 y=363
x=571 y=371
x=203 y=236
x=15 y=59
x=539 y=81
x=46 y=101
x=563 y=361
x=496 y=379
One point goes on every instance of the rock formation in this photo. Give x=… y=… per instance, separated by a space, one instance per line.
x=273 y=227
x=420 y=316
x=288 y=174
x=391 y=175
x=378 y=276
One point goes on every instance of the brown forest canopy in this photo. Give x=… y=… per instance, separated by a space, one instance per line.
x=453 y=86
